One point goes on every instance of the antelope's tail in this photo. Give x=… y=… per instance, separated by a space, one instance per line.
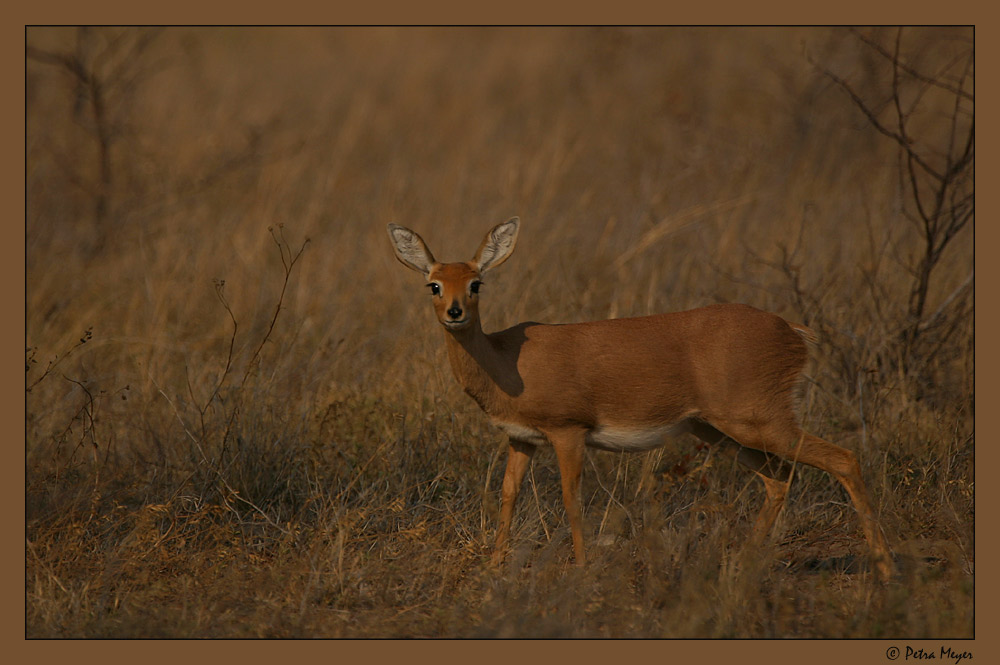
x=807 y=333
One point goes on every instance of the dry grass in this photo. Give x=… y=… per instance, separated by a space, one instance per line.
x=191 y=472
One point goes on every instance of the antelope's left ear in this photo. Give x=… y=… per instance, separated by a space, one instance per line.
x=497 y=246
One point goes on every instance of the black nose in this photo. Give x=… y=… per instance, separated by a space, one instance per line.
x=455 y=312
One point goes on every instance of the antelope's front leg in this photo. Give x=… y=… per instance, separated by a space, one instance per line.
x=518 y=457
x=569 y=446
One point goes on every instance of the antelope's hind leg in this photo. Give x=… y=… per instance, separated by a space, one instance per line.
x=789 y=441
x=843 y=465
x=772 y=470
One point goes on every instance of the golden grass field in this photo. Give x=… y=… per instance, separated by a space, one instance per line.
x=228 y=438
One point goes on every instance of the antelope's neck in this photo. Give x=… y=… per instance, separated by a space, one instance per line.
x=478 y=367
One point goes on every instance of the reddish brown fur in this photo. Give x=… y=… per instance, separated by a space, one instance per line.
x=723 y=362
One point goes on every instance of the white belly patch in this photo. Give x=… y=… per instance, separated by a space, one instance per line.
x=632 y=439
x=617 y=438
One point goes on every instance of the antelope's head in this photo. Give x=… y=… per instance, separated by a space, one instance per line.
x=454 y=287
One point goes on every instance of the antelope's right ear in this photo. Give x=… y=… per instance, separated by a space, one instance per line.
x=410 y=249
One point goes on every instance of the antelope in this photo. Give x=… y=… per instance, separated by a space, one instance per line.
x=727 y=373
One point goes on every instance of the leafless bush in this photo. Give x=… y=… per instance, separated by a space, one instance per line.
x=926 y=106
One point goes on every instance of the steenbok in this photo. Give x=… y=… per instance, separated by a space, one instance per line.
x=726 y=373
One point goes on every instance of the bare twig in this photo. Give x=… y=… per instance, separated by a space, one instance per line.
x=87 y=335
x=878 y=48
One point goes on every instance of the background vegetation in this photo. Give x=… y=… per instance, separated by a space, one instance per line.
x=240 y=420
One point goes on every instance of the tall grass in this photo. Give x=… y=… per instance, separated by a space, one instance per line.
x=233 y=433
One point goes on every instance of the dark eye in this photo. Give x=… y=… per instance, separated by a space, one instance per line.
x=435 y=288
x=474 y=286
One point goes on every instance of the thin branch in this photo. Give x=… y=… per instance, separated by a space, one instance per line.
x=878 y=48
x=877 y=124
x=87 y=335
x=220 y=285
x=962 y=288
x=288 y=265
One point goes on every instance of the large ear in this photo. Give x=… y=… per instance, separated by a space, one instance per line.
x=497 y=245
x=410 y=249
